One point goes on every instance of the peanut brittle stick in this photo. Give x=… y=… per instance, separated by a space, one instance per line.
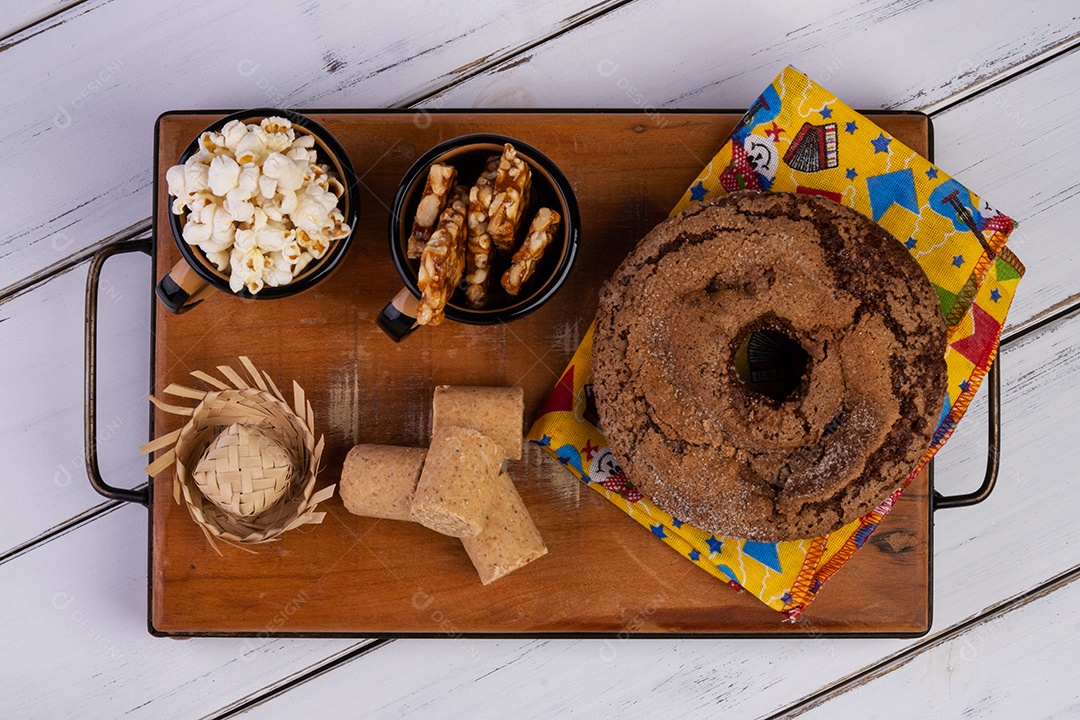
x=478 y=259
x=442 y=262
x=512 y=185
x=440 y=182
x=541 y=233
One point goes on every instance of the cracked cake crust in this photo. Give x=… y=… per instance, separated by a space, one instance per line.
x=711 y=451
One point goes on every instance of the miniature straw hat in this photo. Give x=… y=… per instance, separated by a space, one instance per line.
x=245 y=461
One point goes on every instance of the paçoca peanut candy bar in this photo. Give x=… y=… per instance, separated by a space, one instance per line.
x=455 y=486
x=379 y=480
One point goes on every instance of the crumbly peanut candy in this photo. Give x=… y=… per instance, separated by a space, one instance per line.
x=379 y=480
x=478 y=258
x=541 y=233
x=512 y=185
x=440 y=181
x=509 y=540
x=497 y=412
x=443 y=261
x=455 y=487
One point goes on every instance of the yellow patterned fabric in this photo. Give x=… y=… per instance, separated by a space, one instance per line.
x=798 y=137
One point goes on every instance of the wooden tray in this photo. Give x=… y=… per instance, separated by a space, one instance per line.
x=604 y=574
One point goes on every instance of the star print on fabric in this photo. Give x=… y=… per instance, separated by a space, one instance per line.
x=881 y=144
x=589 y=450
x=958 y=261
x=826 y=112
x=995 y=294
x=964 y=385
x=658 y=530
x=698 y=192
x=785 y=598
x=910 y=244
x=851 y=174
x=851 y=127
x=694 y=555
x=676 y=522
x=931 y=173
x=714 y=544
x=545 y=440
x=773 y=132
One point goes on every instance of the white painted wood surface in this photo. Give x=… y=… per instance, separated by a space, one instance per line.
x=873 y=53
x=90 y=109
x=42 y=435
x=995 y=669
x=1030 y=170
x=18 y=16
x=77 y=598
x=75 y=644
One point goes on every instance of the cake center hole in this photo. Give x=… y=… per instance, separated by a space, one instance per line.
x=771 y=363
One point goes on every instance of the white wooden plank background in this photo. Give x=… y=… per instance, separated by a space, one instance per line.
x=80 y=594
x=75 y=644
x=1009 y=141
x=968 y=675
x=17 y=17
x=42 y=436
x=90 y=109
x=873 y=53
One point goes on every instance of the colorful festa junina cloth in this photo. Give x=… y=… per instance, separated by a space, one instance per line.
x=799 y=137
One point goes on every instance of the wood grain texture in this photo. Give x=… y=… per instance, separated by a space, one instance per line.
x=874 y=54
x=34 y=13
x=743 y=679
x=1006 y=143
x=367 y=389
x=90 y=108
x=73 y=644
x=1018 y=664
x=983 y=556
x=41 y=381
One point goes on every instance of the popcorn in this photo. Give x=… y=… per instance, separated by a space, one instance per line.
x=196 y=232
x=248 y=182
x=267 y=186
x=313 y=208
x=195 y=175
x=233 y=131
x=258 y=205
x=220 y=259
x=252 y=147
x=273 y=238
x=289 y=177
x=237 y=206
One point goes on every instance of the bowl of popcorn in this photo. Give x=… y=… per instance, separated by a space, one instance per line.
x=263 y=205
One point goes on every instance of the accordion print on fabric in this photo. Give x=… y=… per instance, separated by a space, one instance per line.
x=798 y=137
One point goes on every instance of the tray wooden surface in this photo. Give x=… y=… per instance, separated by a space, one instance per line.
x=604 y=574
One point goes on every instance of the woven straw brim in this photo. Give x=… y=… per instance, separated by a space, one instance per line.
x=261 y=407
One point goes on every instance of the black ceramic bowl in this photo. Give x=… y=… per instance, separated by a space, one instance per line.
x=330 y=152
x=550 y=188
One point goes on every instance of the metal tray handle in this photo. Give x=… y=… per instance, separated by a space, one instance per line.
x=141 y=496
x=993 y=448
